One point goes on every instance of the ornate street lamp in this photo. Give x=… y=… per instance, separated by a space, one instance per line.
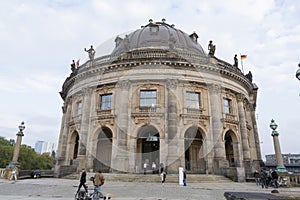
x=20 y=134
x=275 y=134
x=298 y=73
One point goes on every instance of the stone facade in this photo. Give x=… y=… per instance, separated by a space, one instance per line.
x=159 y=98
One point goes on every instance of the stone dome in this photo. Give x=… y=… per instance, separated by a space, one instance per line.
x=158 y=35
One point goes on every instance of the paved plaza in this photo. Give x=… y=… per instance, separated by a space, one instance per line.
x=63 y=189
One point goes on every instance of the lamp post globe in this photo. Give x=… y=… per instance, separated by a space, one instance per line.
x=273 y=125
x=280 y=166
x=21 y=129
x=298 y=73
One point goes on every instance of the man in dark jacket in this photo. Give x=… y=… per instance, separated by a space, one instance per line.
x=82 y=181
x=264 y=179
x=274 y=178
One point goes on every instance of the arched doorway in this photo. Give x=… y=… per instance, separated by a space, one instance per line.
x=104 y=149
x=74 y=144
x=193 y=145
x=231 y=149
x=148 y=147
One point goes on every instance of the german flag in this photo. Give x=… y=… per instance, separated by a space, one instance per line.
x=243 y=57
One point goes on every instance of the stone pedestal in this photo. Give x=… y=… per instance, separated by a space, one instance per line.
x=240 y=174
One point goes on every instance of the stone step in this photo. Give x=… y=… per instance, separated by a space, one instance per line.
x=171 y=178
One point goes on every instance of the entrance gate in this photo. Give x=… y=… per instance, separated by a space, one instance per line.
x=148 y=147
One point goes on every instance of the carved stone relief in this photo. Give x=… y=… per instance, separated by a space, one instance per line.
x=124 y=84
x=172 y=84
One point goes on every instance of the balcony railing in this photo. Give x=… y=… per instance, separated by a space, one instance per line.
x=147 y=109
x=230 y=117
x=104 y=112
x=193 y=111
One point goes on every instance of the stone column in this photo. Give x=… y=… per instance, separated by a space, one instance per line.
x=243 y=127
x=246 y=168
x=173 y=160
x=277 y=151
x=121 y=161
x=280 y=165
x=251 y=137
x=62 y=150
x=84 y=127
x=59 y=146
x=17 y=147
x=133 y=165
x=216 y=128
x=255 y=132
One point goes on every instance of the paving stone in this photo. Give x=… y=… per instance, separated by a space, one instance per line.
x=64 y=189
x=250 y=196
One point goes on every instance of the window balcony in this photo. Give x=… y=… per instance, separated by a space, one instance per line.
x=143 y=111
x=104 y=112
x=193 y=111
x=230 y=118
x=147 y=109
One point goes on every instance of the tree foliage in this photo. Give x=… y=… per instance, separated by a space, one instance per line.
x=28 y=158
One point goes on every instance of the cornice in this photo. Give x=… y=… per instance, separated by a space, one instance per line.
x=110 y=64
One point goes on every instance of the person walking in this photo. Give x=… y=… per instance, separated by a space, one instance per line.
x=163 y=176
x=274 y=178
x=264 y=179
x=98 y=182
x=145 y=167
x=153 y=167
x=184 y=177
x=13 y=174
x=256 y=176
x=82 y=181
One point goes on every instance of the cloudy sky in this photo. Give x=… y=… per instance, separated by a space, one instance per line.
x=40 y=38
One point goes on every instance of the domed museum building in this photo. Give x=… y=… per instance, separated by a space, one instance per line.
x=159 y=98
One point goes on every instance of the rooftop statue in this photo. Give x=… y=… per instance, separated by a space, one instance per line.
x=73 y=65
x=91 y=52
x=235 y=61
x=249 y=76
x=126 y=42
x=211 y=48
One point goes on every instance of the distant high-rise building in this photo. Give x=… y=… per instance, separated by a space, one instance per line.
x=44 y=147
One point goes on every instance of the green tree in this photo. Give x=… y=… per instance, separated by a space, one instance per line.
x=28 y=158
x=6 y=153
x=4 y=142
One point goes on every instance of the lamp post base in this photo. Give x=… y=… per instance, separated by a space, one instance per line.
x=281 y=168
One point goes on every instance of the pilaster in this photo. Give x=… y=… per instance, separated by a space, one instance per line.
x=173 y=160
x=121 y=161
x=85 y=121
x=243 y=126
x=217 y=128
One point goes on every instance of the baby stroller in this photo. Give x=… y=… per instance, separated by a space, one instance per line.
x=82 y=195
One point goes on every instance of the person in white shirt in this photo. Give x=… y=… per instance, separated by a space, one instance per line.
x=145 y=167
x=153 y=167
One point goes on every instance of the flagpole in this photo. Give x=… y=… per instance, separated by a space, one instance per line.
x=242 y=63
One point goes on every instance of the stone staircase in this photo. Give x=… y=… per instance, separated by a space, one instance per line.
x=153 y=178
